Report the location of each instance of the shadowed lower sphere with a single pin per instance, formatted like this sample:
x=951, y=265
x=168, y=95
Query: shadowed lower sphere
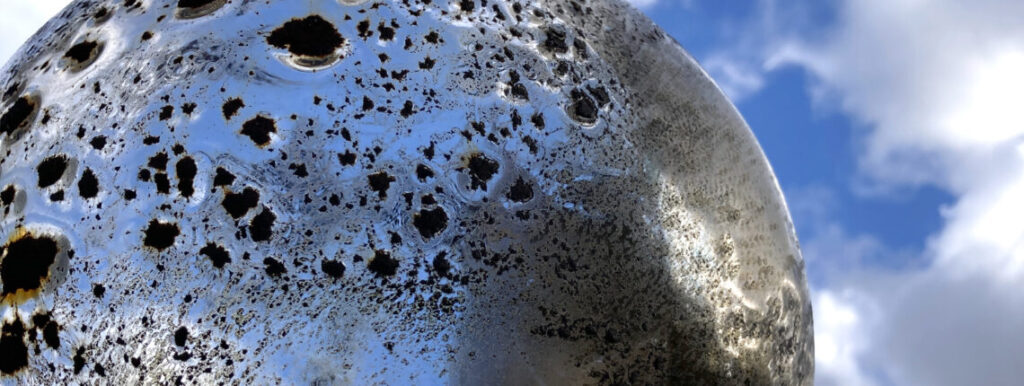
x=350, y=192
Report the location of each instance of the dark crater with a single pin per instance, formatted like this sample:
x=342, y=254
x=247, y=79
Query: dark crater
x=51, y=169
x=382, y=264
x=481, y=169
x=258, y=129
x=16, y=116
x=231, y=107
x=88, y=185
x=520, y=191
x=332, y=268
x=261, y=226
x=310, y=36
x=238, y=204
x=217, y=254
x=26, y=263
x=380, y=182
x=160, y=235
x=430, y=222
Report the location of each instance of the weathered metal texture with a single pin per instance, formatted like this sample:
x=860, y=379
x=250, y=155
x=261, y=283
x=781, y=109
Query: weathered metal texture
x=385, y=192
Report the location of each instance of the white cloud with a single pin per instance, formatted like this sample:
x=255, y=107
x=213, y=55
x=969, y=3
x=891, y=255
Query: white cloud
x=940, y=86
x=19, y=19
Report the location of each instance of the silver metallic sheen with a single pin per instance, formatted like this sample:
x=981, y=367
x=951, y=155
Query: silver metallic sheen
x=465, y=192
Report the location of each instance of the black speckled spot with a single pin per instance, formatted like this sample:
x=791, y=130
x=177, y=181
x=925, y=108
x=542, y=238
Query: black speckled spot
x=238, y=204
x=520, y=191
x=332, y=268
x=430, y=222
x=180, y=336
x=382, y=264
x=88, y=185
x=231, y=107
x=380, y=182
x=26, y=263
x=310, y=36
x=82, y=52
x=273, y=267
x=217, y=254
x=258, y=129
x=16, y=115
x=481, y=169
x=13, y=351
x=261, y=226
x=160, y=235
x=51, y=169
x=186, y=171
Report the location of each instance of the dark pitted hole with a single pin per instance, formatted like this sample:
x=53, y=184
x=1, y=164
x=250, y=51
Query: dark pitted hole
x=160, y=235
x=231, y=107
x=98, y=142
x=186, y=170
x=467, y=5
x=26, y=263
x=583, y=108
x=158, y=161
x=190, y=9
x=238, y=204
x=441, y=264
x=600, y=94
x=98, y=290
x=217, y=254
x=83, y=54
x=347, y=158
x=407, y=109
x=223, y=177
x=51, y=169
x=380, y=182
x=51, y=334
x=166, y=112
x=537, y=120
x=7, y=195
x=262, y=225
x=520, y=191
x=258, y=129
x=79, y=359
x=332, y=268
x=481, y=169
x=385, y=32
x=310, y=36
x=273, y=267
x=17, y=115
x=163, y=184
x=13, y=351
x=382, y=264
x=180, y=336
x=555, y=40
x=88, y=185
x=423, y=172
x=57, y=196
x=430, y=222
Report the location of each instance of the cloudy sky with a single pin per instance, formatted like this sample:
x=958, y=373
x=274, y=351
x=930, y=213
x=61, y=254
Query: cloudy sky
x=896, y=130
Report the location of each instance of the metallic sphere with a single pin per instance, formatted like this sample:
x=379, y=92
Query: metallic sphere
x=393, y=192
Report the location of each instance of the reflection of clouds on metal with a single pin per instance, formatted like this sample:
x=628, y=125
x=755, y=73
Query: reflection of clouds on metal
x=406, y=192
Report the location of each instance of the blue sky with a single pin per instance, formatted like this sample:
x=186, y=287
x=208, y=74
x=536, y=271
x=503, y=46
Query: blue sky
x=895, y=129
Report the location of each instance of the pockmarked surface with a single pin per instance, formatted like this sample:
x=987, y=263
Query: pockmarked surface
x=396, y=192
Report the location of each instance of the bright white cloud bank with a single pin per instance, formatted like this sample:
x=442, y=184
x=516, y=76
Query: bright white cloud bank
x=941, y=85
x=19, y=19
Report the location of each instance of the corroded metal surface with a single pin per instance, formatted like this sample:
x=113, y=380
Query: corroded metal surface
x=392, y=192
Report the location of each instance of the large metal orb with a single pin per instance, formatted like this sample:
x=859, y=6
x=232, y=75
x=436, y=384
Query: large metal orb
x=334, y=192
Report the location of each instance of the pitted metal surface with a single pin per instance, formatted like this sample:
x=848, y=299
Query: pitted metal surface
x=354, y=192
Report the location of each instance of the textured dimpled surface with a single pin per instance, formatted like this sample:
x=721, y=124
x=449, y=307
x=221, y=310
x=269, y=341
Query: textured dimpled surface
x=354, y=192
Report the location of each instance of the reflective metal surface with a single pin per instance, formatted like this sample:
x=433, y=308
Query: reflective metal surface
x=353, y=192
